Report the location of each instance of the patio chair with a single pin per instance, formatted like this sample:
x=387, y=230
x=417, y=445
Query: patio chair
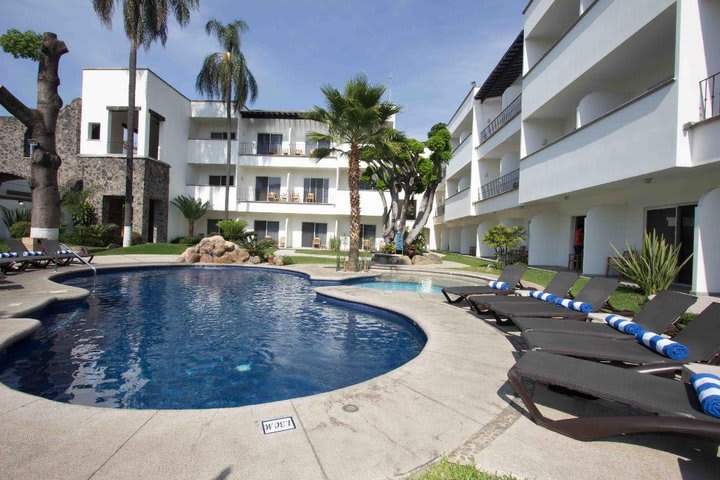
x=657, y=315
x=55, y=246
x=559, y=286
x=510, y=275
x=595, y=292
x=701, y=337
x=38, y=261
x=671, y=406
x=51, y=248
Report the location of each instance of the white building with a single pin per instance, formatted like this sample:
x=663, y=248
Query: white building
x=275, y=185
x=603, y=115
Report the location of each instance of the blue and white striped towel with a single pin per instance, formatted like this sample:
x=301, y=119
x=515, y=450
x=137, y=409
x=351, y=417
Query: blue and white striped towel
x=497, y=285
x=662, y=345
x=548, y=297
x=8, y=255
x=33, y=254
x=623, y=324
x=707, y=387
x=573, y=305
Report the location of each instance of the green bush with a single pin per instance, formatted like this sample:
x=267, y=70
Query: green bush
x=186, y=240
x=20, y=229
x=504, y=240
x=257, y=247
x=288, y=261
x=84, y=215
x=136, y=238
x=233, y=230
x=93, y=235
x=388, y=248
x=11, y=217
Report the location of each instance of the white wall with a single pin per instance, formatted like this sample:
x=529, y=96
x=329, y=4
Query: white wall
x=603, y=226
x=706, y=261
x=549, y=237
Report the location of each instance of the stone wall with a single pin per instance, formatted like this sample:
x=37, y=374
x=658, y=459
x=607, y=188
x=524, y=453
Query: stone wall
x=105, y=175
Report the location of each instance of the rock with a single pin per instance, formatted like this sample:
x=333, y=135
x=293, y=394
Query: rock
x=242, y=255
x=112, y=245
x=434, y=257
x=254, y=260
x=405, y=260
x=214, y=249
x=279, y=262
x=421, y=260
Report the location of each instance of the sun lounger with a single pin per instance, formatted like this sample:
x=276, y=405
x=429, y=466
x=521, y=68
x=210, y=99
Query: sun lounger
x=671, y=406
x=41, y=261
x=701, y=337
x=657, y=315
x=55, y=246
x=510, y=275
x=559, y=286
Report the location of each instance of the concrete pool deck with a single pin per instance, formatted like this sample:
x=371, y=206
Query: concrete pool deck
x=453, y=399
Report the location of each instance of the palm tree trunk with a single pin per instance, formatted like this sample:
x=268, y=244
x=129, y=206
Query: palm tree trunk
x=128, y=213
x=191, y=228
x=229, y=153
x=354, y=184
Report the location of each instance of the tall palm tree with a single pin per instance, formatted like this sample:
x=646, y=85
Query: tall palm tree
x=145, y=22
x=193, y=209
x=357, y=117
x=225, y=75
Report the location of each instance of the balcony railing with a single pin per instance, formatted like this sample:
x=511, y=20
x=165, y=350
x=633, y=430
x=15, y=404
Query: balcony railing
x=283, y=196
x=500, y=185
x=710, y=97
x=505, y=116
x=118, y=148
x=284, y=149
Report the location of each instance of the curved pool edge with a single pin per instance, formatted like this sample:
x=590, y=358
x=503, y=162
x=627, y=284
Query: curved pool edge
x=410, y=415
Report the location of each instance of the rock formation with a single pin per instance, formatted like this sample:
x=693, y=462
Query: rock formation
x=214, y=249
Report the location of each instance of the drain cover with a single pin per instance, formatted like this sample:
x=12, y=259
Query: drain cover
x=350, y=408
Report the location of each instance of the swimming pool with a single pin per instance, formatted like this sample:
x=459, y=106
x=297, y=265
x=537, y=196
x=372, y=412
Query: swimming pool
x=418, y=283
x=204, y=337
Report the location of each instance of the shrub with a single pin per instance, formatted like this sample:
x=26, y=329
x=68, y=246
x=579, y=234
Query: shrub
x=11, y=217
x=257, y=247
x=93, y=235
x=186, y=240
x=136, y=238
x=504, y=240
x=288, y=260
x=655, y=267
x=418, y=244
x=233, y=230
x=76, y=202
x=388, y=248
x=20, y=229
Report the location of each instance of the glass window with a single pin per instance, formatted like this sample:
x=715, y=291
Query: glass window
x=316, y=190
x=219, y=180
x=269, y=143
x=212, y=226
x=221, y=135
x=311, y=145
x=267, y=189
x=265, y=229
x=367, y=236
x=314, y=234
x=366, y=184
x=93, y=131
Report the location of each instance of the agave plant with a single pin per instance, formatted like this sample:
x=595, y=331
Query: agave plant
x=11, y=217
x=655, y=267
x=193, y=209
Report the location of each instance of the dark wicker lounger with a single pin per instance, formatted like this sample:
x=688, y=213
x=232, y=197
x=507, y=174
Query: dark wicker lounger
x=672, y=405
x=559, y=286
x=595, y=292
x=701, y=337
x=657, y=315
x=510, y=274
x=54, y=246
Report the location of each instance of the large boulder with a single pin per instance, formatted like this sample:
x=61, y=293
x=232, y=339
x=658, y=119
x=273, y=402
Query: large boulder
x=405, y=260
x=214, y=249
x=421, y=260
x=279, y=262
x=433, y=257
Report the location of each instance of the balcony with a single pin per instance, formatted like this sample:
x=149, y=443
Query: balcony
x=283, y=196
x=461, y=157
x=500, y=185
x=710, y=97
x=214, y=195
x=510, y=112
x=210, y=152
x=291, y=149
x=458, y=205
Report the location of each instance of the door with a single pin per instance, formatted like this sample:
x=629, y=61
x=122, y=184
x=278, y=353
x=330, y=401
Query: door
x=308, y=233
x=686, y=237
x=261, y=189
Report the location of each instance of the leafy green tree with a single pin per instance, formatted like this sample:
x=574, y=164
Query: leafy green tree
x=41, y=123
x=356, y=117
x=76, y=202
x=226, y=75
x=145, y=21
x=193, y=209
x=234, y=229
x=504, y=240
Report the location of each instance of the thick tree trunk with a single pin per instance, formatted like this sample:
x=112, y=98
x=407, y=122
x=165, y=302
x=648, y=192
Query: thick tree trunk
x=191, y=228
x=423, y=214
x=354, y=184
x=128, y=213
x=41, y=123
x=229, y=153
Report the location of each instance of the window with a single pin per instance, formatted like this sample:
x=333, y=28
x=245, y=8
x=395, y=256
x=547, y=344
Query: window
x=93, y=131
x=311, y=232
x=267, y=188
x=212, y=226
x=269, y=143
x=677, y=226
x=264, y=229
x=219, y=180
x=221, y=135
x=367, y=236
x=316, y=190
x=311, y=145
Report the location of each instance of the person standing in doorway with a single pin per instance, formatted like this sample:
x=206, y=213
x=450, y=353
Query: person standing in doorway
x=578, y=240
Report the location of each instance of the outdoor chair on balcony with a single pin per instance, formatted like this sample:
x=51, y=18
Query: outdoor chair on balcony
x=366, y=245
x=295, y=197
x=672, y=406
x=310, y=197
x=281, y=243
x=283, y=197
x=298, y=152
x=272, y=197
x=510, y=275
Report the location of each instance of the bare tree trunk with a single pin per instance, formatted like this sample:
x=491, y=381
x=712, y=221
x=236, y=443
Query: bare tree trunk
x=423, y=214
x=229, y=153
x=128, y=213
x=191, y=228
x=41, y=123
x=354, y=184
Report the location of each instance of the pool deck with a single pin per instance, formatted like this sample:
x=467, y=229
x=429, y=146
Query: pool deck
x=453, y=399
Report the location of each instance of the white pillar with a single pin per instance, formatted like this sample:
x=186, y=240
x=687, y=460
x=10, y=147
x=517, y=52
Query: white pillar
x=706, y=258
x=550, y=239
x=444, y=239
x=454, y=239
x=603, y=225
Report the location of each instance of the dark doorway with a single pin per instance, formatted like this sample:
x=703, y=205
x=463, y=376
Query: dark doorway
x=113, y=206
x=311, y=231
x=677, y=226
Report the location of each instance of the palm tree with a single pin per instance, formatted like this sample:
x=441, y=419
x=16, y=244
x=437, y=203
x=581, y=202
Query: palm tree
x=357, y=117
x=145, y=22
x=225, y=75
x=193, y=209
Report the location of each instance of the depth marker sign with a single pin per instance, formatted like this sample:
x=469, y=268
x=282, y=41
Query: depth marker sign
x=278, y=425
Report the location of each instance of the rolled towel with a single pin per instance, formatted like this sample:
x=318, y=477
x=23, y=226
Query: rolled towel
x=33, y=254
x=8, y=255
x=548, y=297
x=707, y=387
x=13, y=254
x=64, y=252
x=499, y=285
x=623, y=324
x=573, y=305
x=662, y=345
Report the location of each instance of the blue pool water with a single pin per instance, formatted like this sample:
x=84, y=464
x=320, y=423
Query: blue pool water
x=193, y=337
x=394, y=286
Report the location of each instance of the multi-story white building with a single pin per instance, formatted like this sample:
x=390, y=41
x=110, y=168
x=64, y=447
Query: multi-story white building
x=276, y=186
x=601, y=118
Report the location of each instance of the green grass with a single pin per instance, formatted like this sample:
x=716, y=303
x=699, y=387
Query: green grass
x=297, y=260
x=145, y=249
x=329, y=253
x=446, y=470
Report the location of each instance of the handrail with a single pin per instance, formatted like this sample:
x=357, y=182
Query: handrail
x=493, y=188
x=710, y=97
x=472, y=89
x=508, y=113
x=460, y=144
x=83, y=261
x=457, y=193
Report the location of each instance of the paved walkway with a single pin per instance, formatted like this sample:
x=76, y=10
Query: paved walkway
x=453, y=399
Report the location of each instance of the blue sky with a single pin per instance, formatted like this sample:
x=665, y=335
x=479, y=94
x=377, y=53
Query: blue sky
x=432, y=49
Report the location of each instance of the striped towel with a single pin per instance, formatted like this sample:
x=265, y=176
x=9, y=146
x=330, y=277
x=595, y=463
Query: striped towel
x=662, y=345
x=499, y=285
x=64, y=252
x=548, y=297
x=707, y=387
x=623, y=324
x=573, y=305
x=8, y=255
x=33, y=254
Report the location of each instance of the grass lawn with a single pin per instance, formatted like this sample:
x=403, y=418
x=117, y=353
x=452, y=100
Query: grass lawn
x=144, y=249
x=452, y=471
x=302, y=260
x=330, y=253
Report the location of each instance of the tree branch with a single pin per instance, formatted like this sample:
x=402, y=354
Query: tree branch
x=16, y=108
